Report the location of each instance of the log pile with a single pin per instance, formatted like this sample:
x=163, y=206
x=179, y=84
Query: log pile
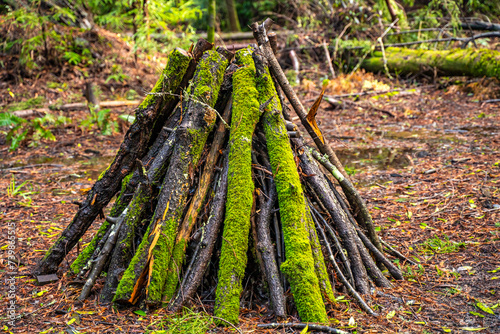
x=214, y=184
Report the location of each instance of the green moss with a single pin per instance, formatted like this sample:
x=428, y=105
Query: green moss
x=203, y=90
x=319, y=261
x=103, y=172
x=172, y=279
x=134, y=213
x=299, y=266
x=233, y=260
x=198, y=141
x=120, y=202
x=58, y=241
x=177, y=64
x=127, y=282
x=161, y=257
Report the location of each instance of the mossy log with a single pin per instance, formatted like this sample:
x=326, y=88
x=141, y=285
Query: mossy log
x=162, y=100
x=462, y=62
x=209, y=232
x=233, y=260
x=153, y=161
x=133, y=147
x=194, y=209
x=303, y=270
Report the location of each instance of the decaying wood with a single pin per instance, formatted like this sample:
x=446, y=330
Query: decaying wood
x=265, y=247
x=260, y=34
x=74, y=106
x=191, y=215
x=100, y=262
x=468, y=62
x=233, y=259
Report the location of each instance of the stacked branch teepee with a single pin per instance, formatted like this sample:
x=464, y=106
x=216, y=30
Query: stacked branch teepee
x=225, y=171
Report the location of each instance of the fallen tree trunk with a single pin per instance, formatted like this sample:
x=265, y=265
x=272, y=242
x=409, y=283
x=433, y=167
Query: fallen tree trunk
x=466, y=62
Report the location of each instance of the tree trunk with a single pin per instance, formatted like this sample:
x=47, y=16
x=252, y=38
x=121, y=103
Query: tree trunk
x=467, y=62
x=211, y=21
x=299, y=266
x=234, y=23
x=233, y=257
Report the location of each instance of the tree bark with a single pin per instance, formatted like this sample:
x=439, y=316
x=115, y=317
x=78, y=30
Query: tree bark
x=211, y=21
x=190, y=217
x=201, y=257
x=299, y=266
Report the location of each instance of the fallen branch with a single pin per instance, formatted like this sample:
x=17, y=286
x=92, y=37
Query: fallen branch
x=73, y=106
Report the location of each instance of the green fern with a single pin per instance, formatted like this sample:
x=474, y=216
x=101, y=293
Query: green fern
x=72, y=58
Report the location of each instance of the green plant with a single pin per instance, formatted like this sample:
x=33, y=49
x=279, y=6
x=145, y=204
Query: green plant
x=441, y=246
x=17, y=190
x=189, y=322
x=30, y=103
x=58, y=86
x=117, y=74
x=14, y=190
x=100, y=119
x=20, y=130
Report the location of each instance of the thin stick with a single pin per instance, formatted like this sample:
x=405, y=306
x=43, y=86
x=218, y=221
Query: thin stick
x=260, y=35
x=338, y=246
x=363, y=217
x=266, y=249
x=227, y=322
x=295, y=65
x=344, y=281
x=97, y=250
x=329, y=60
x=103, y=257
x=389, y=249
x=395, y=272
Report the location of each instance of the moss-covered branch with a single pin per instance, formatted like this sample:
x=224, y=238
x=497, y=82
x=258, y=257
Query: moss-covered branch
x=233, y=260
x=134, y=146
x=299, y=266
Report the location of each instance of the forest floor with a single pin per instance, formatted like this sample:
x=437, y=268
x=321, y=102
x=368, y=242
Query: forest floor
x=430, y=176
